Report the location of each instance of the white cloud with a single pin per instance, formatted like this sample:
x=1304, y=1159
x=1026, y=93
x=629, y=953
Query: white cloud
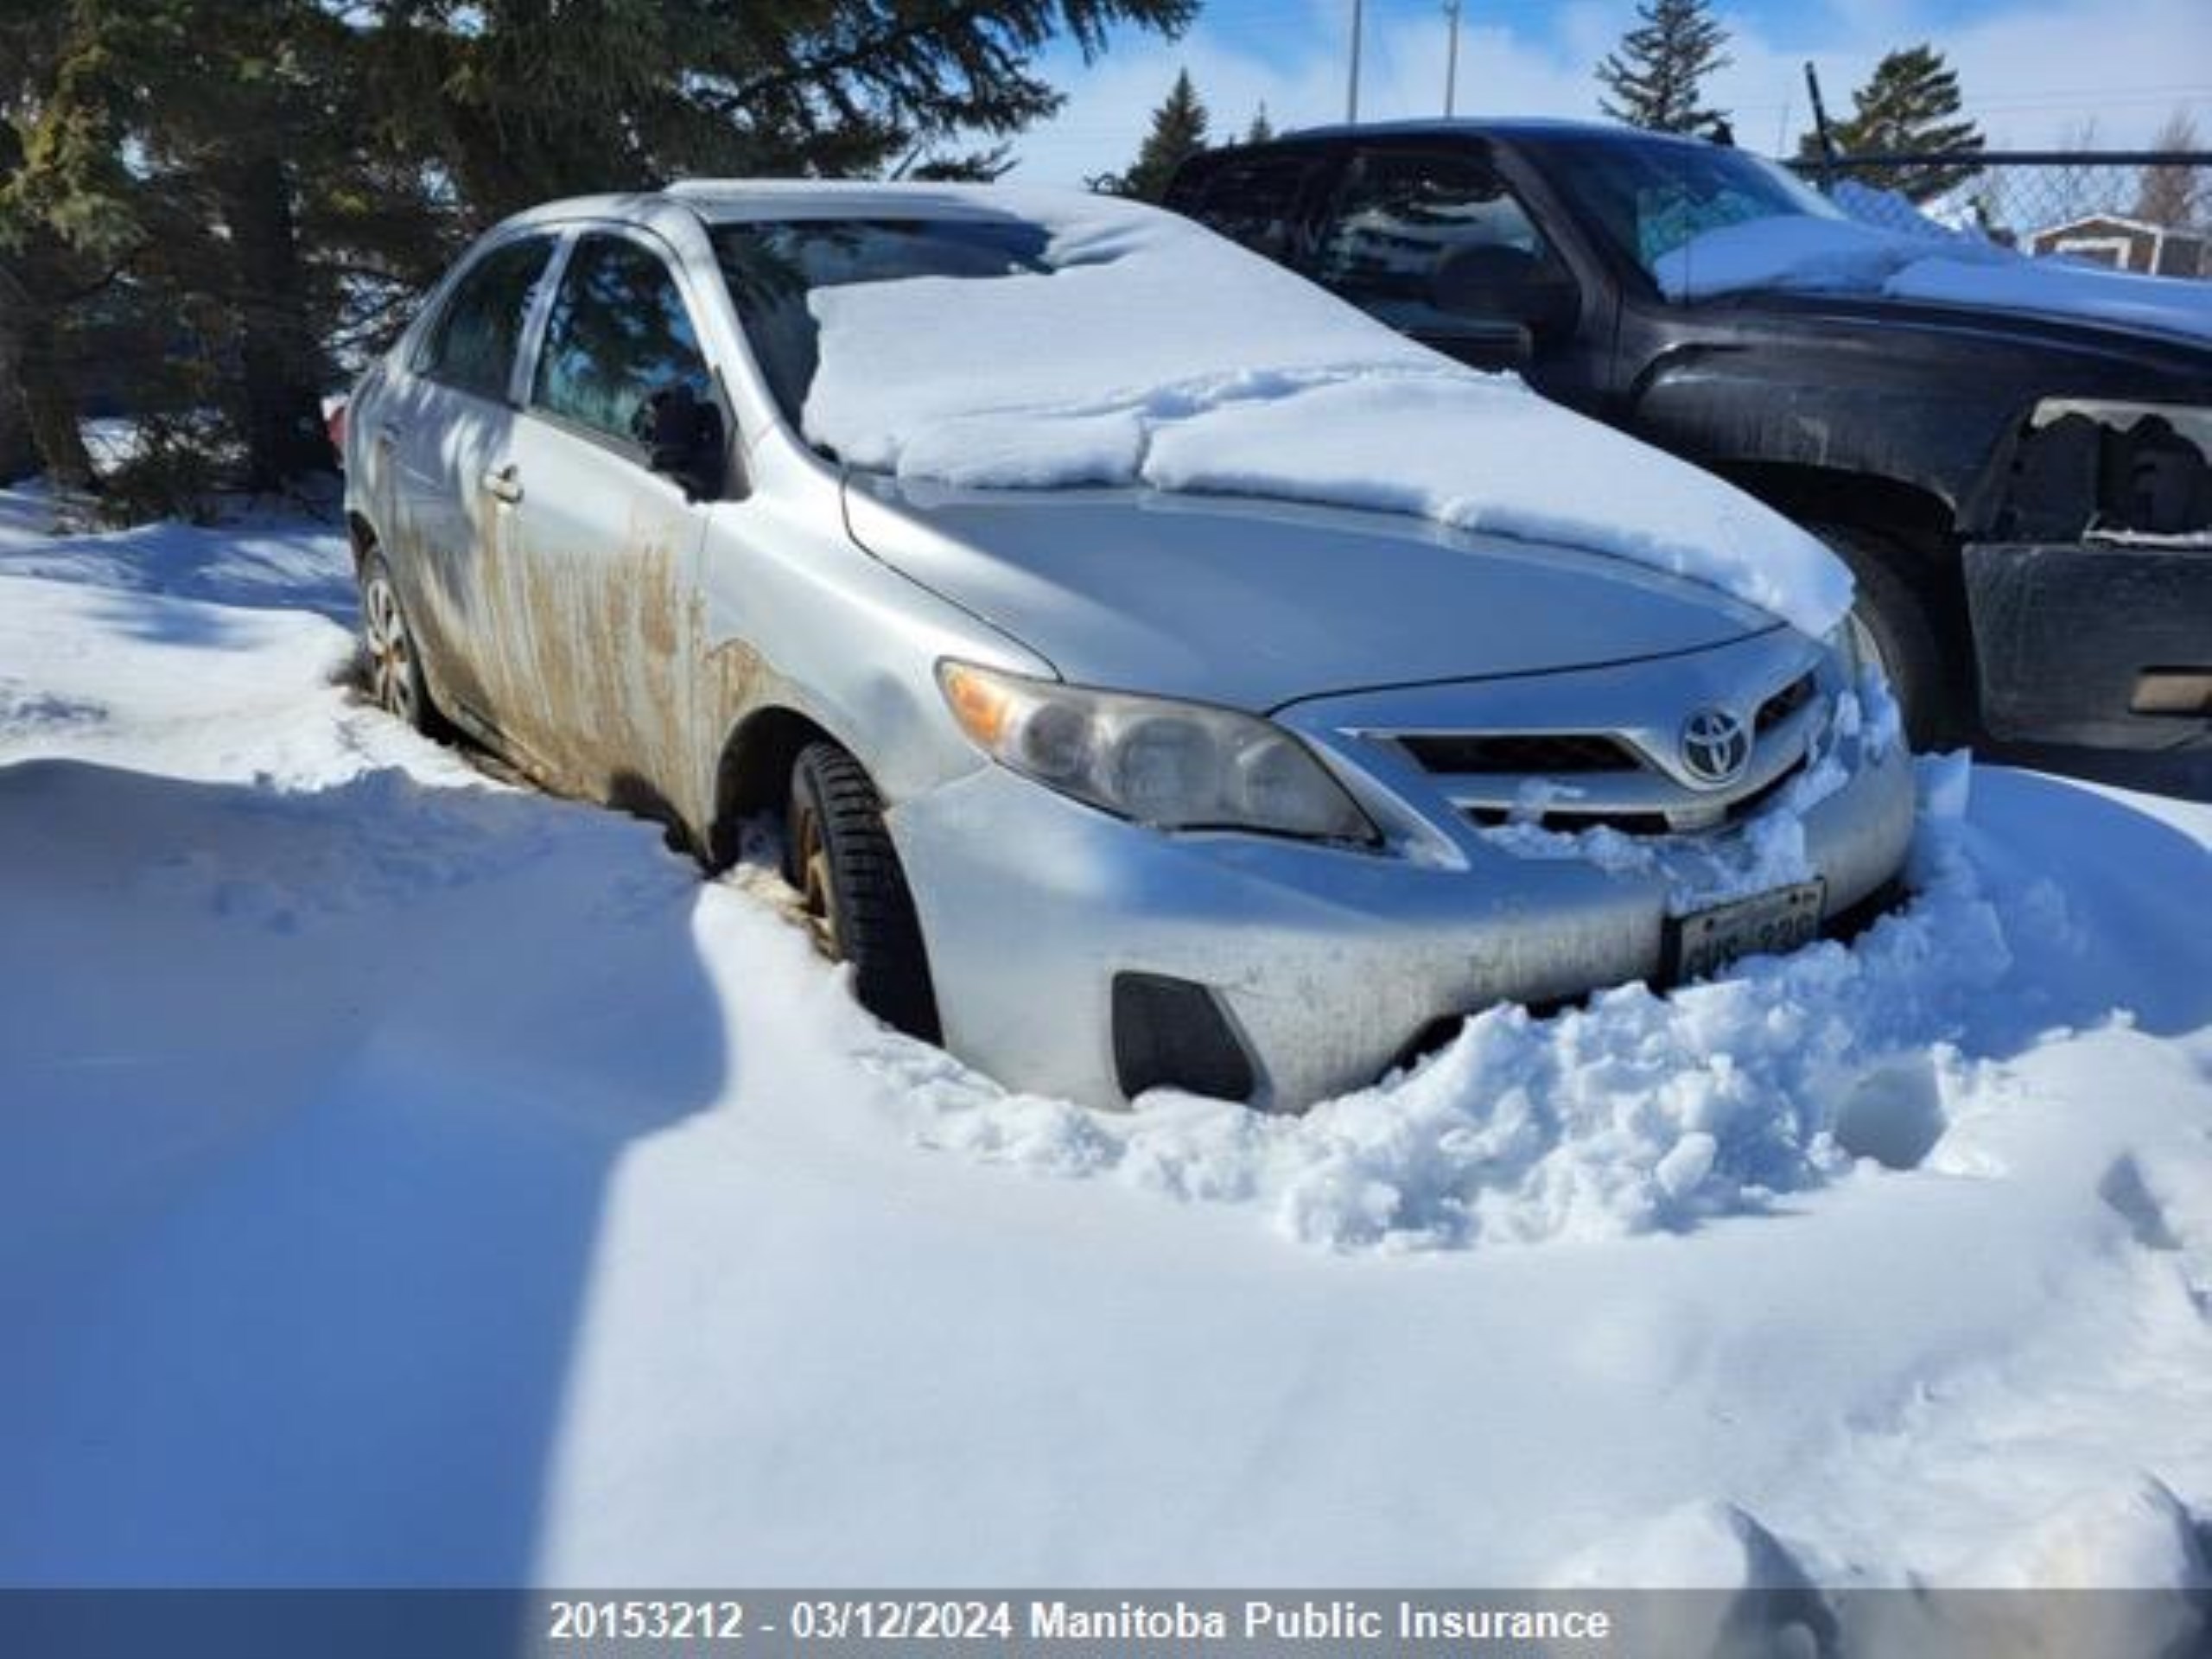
x=2031, y=74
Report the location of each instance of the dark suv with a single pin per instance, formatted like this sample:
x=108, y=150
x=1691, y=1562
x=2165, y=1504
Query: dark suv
x=2025, y=498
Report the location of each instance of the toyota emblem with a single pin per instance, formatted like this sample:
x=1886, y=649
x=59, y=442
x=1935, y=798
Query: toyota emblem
x=1715, y=747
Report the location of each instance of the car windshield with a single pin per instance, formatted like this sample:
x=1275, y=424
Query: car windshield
x=1654, y=197
x=771, y=265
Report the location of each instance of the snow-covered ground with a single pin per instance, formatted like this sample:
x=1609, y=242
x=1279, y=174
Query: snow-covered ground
x=404, y=1178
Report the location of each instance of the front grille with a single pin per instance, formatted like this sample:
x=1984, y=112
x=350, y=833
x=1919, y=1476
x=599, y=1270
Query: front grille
x=1782, y=704
x=1568, y=822
x=1739, y=810
x=1473, y=753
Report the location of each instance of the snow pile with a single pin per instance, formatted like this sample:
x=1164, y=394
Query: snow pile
x=1635, y=1113
x=1837, y=255
x=1155, y=353
x=409, y=1180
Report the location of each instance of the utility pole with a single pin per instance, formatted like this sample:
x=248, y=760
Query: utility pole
x=1820, y=125
x=1351, y=91
x=1451, y=58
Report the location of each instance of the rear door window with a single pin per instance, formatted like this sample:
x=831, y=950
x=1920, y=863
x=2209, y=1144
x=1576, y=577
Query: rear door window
x=618, y=332
x=472, y=346
x=1255, y=202
x=1400, y=221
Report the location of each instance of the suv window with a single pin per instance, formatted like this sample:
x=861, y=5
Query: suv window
x=471, y=347
x=618, y=332
x=1254, y=201
x=1402, y=222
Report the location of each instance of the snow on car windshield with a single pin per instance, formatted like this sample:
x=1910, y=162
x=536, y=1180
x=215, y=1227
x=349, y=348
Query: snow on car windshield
x=1703, y=221
x=1012, y=340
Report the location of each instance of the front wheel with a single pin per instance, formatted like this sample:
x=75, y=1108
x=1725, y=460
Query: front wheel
x=839, y=856
x=1896, y=619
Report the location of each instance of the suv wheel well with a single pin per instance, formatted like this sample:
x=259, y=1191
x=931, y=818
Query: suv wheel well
x=754, y=775
x=1821, y=495
x=1911, y=530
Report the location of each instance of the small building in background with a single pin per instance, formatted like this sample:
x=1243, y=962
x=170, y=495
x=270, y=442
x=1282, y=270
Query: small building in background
x=2128, y=245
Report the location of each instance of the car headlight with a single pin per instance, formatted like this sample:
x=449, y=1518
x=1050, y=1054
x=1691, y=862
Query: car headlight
x=1175, y=766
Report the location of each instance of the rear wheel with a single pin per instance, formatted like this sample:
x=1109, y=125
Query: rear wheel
x=1896, y=619
x=395, y=664
x=839, y=856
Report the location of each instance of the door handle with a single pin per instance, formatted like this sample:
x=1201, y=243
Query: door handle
x=503, y=483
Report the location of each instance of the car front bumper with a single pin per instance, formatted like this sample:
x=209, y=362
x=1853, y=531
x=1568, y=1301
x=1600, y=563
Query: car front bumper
x=2108, y=644
x=1326, y=964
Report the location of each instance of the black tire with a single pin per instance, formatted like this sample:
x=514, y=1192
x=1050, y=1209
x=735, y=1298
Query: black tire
x=396, y=681
x=1928, y=682
x=839, y=856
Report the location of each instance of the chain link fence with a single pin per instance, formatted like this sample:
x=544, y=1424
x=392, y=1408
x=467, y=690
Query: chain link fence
x=2146, y=211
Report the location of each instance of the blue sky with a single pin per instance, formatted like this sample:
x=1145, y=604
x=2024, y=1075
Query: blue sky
x=2034, y=72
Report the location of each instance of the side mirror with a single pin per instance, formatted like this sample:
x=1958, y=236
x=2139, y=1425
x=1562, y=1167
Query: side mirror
x=1495, y=283
x=685, y=440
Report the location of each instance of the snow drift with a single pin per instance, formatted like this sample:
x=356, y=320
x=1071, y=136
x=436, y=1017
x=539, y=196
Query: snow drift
x=410, y=1180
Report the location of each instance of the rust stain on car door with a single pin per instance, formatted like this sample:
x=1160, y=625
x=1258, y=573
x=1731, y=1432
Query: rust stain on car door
x=589, y=643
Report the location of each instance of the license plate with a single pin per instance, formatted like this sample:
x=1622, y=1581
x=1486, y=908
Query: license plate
x=1767, y=923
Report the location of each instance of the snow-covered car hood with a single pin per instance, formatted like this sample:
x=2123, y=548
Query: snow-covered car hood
x=1147, y=353
x=1844, y=257
x=1254, y=603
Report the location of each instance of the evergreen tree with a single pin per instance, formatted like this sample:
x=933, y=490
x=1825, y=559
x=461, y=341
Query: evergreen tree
x=1262, y=129
x=615, y=93
x=1178, y=132
x=1654, y=78
x=256, y=190
x=59, y=242
x=1909, y=106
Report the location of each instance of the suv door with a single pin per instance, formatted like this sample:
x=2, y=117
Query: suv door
x=1436, y=244
x=600, y=592
x=445, y=420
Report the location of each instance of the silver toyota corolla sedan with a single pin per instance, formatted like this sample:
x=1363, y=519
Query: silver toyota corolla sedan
x=1106, y=788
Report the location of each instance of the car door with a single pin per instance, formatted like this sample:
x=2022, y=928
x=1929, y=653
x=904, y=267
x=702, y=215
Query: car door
x=444, y=418
x=1436, y=244
x=602, y=590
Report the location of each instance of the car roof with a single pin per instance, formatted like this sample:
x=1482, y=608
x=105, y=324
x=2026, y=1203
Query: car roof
x=1488, y=126
x=734, y=200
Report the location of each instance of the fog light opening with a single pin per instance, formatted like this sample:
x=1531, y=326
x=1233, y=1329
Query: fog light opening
x=1171, y=1033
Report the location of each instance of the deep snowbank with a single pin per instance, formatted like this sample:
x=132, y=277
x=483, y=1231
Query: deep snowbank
x=1156, y=352
x=407, y=1178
